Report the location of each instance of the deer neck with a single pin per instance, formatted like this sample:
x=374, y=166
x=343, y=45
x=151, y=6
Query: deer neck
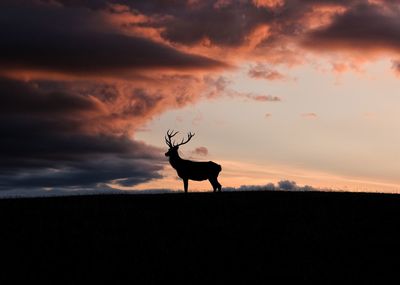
x=175, y=160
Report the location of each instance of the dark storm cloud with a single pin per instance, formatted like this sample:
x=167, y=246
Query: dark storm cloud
x=75, y=40
x=362, y=26
x=189, y=22
x=140, y=103
x=94, y=172
x=45, y=143
x=226, y=26
x=94, y=53
x=27, y=99
x=230, y=23
x=223, y=23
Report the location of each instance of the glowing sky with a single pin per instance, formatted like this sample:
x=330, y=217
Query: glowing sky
x=340, y=131
x=274, y=89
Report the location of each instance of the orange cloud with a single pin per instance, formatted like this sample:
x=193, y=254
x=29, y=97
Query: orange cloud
x=269, y=3
x=339, y=67
x=261, y=71
x=322, y=14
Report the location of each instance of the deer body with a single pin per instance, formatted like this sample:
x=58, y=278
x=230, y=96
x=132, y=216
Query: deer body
x=192, y=170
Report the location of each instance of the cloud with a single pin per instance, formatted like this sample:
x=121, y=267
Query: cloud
x=339, y=67
x=202, y=151
x=48, y=140
x=80, y=42
x=283, y=185
x=220, y=87
x=219, y=4
x=227, y=24
x=263, y=98
x=194, y=34
x=365, y=26
x=396, y=66
x=261, y=71
x=269, y=3
x=26, y=98
x=309, y=115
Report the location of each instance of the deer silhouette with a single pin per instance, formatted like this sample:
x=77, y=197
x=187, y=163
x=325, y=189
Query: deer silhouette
x=191, y=170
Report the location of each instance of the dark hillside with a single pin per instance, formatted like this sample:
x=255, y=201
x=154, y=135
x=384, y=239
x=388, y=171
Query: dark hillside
x=243, y=237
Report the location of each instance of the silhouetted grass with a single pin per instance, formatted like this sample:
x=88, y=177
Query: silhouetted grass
x=244, y=237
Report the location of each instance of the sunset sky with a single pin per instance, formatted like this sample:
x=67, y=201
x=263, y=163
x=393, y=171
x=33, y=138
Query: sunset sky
x=307, y=91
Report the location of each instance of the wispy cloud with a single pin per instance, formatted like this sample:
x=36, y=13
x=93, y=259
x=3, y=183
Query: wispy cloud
x=265, y=98
x=396, y=66
x=201, y=151
x=283, y=185
x=261, y=71
x=309, y=115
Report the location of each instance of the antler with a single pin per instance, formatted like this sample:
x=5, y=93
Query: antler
x=171, y=134
x=190, y=135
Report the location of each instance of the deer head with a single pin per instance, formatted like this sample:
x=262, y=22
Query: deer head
x=173, y=146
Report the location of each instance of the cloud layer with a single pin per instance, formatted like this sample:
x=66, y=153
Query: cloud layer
x=283, y=185
x=48, y=140
x=78, y=41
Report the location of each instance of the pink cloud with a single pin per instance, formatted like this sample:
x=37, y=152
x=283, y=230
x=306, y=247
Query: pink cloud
x=396, y=67
x=269, y=3
x=263, y=98
x=261, y=71
x=202, y=151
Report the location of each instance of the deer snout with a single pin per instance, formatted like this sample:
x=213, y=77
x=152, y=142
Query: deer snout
x=167, y=153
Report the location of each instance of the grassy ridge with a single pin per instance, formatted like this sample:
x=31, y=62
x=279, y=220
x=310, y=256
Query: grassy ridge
x=202, y=237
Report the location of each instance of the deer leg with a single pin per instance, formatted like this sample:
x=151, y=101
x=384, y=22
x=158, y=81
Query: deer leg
x=186, y=184
x=219, y=186
x=214, y=184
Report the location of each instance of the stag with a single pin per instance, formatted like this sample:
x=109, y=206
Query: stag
x=191, y=170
